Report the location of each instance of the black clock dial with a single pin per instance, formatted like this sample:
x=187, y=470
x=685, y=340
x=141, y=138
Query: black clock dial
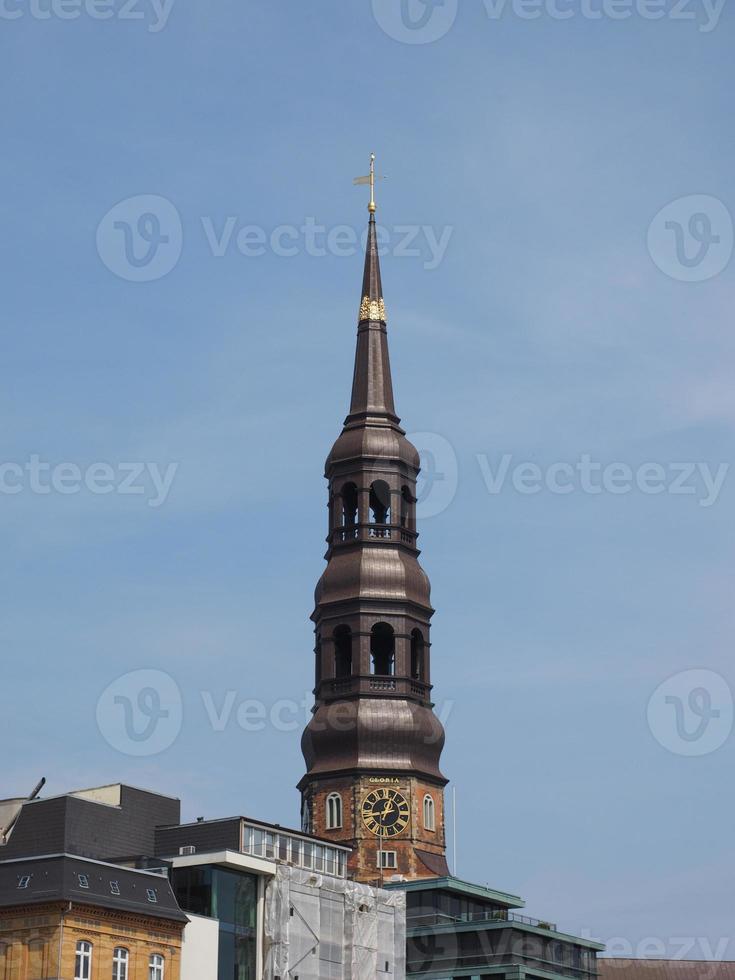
x=385, y=812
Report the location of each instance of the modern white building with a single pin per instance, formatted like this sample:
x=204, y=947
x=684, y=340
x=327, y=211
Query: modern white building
x=266, y=902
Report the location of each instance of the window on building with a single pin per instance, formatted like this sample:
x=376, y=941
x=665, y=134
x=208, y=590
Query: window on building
x=120, y=959
x=349, y=505
x=429, y=813
x=407, y=500
x=83, y=881
x=151, y=895
x=380, y=503
x=36, y=958
x=330, y=861
x=387, y=859
x=24, y=881
x=334, y=811
x=342, y=651
x=417, y=655
x=83, y=961
x=155, y=967
x=318, y=657
x=382, y=649
x=114, y=887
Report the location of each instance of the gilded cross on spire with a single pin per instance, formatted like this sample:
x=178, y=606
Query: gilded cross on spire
x=369, y=179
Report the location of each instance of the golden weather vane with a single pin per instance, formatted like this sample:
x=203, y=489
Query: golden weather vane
x=369, y=179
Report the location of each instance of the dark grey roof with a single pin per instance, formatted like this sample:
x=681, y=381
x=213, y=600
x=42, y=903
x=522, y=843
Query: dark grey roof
x=63, y=877
x=78, y=824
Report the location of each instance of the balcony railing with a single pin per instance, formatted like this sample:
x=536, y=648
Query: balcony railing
x=372, y=683
x=373, y=532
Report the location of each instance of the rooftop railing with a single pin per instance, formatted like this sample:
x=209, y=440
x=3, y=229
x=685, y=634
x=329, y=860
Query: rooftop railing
x=487, y=915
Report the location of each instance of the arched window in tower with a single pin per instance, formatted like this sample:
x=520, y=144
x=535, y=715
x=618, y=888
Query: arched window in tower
x=343, y=651
x=382, y=649
x=429, y=813
x=407, y=500
x=417, y=655
x=380, y=508
x=334, y=811
x=349, y=505
x=318, y=658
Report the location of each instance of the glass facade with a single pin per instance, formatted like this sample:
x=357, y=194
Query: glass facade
x=232, y=898
x=299, y=851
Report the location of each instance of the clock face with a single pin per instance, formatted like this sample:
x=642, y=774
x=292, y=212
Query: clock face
x=385, y=812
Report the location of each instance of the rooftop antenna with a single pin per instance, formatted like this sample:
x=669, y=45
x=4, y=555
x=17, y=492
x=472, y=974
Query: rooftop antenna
x=37, y=789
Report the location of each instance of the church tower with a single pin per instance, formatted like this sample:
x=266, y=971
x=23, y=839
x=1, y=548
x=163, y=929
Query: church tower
x=373, y=744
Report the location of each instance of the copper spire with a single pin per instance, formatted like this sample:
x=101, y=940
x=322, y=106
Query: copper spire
x=372, y=387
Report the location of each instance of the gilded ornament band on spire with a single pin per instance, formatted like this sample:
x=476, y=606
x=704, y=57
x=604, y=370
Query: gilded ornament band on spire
x=372, y=309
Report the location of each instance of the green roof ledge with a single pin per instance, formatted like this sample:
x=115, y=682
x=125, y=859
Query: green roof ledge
x=459, y=887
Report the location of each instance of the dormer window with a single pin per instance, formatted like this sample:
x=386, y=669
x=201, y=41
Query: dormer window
x=24, y=881
x=114, y=888
x=83, y=881
x=151, y=894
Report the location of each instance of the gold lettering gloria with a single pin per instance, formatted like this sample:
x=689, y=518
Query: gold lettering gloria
x=372, y=309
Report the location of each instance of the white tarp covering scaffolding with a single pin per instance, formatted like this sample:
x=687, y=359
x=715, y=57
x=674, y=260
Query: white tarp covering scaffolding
x=322, y=928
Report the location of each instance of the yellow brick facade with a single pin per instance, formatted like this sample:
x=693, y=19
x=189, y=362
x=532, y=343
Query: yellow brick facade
x=31, y=939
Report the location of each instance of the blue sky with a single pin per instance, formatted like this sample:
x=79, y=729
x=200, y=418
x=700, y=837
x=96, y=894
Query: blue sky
x=554, y=327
